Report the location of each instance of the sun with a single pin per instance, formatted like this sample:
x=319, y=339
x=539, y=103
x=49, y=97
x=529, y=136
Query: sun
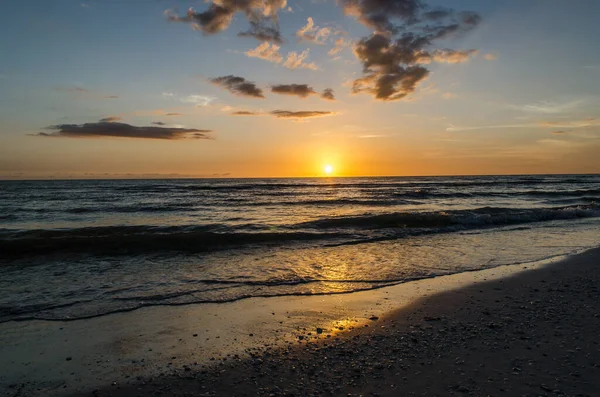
x=328, y=169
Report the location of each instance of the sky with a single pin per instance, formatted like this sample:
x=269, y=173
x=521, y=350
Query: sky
x=276, y=88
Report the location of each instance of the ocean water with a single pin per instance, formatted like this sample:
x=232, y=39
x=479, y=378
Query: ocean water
x=79, y=249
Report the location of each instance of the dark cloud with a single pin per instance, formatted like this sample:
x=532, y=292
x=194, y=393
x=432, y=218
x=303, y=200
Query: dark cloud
x=328, y=94
x=262, y=15
x=122, y=130
x=173, y=114
x=110, y=119
x=404, y=32
x=305, y=114
x=111, y=97
x=158, y=123
x=238, y=86
x=263, y=32
x=301, y=90
x=244, y=113
x=561, y=132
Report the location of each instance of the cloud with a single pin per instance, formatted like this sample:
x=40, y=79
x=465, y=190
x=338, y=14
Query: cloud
x=198, y=100
x=270, y=53
x=561, y=132
x=238, y=86
x=110, y=119
x=572, y=124
x=452, y=56
x=550, y=107
x=490, y=57
x=72, y=89
x=244, y=113
x=328, y=94
x=122, y=130
x=449, y=95
x=301, y=90
x=313, y=33
x=266, y=52
x=339, y=45
x=262, y=15
x=262, y=32
x=156, y=123
x=173, y=114
x=373, y=136
x=296, y=60
x=81, y=92
x=585, y=123
x=287, y=114
x=403, y=33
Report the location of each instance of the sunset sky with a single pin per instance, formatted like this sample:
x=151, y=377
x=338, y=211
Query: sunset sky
x=269, y=88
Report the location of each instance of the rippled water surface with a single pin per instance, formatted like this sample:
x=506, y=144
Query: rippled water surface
x=73, y=249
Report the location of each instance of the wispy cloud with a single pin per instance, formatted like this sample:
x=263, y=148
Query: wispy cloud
x=573, y=124
x=297, y=60
x=72, y=89
x=452, y=56
x=198, y=100
x=105, y=128
x=449, y=95
x=195, y=99
x=270, y=53
x=339, y=44
x=373, y=136
x=245, y=113
x=110, y=119
x=490, y=57
x=312, y=33
x=305, y=114
x=550, y=107
x=266, y=51
x=79, y=91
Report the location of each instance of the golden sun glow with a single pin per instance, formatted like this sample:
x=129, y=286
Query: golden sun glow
x=328, y=169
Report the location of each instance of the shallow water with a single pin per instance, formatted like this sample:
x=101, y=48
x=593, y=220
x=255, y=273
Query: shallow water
x=74, y=249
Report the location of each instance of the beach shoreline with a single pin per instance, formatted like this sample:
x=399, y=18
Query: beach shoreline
x=210, y=348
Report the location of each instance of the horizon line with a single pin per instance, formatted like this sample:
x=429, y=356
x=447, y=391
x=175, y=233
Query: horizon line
x=172, y=177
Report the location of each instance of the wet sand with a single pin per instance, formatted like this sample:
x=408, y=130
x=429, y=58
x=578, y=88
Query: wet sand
x=534, y=333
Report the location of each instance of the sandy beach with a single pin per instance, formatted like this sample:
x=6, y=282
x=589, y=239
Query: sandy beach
x=516, y=330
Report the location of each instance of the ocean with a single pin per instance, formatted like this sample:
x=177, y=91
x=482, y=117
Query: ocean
x=84, y=248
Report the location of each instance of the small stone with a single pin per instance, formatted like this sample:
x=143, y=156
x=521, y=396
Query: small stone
x=69, y=358
x=373, y=318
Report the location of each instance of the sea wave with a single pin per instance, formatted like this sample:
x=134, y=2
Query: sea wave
x=129, y=240
x=485, y=216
